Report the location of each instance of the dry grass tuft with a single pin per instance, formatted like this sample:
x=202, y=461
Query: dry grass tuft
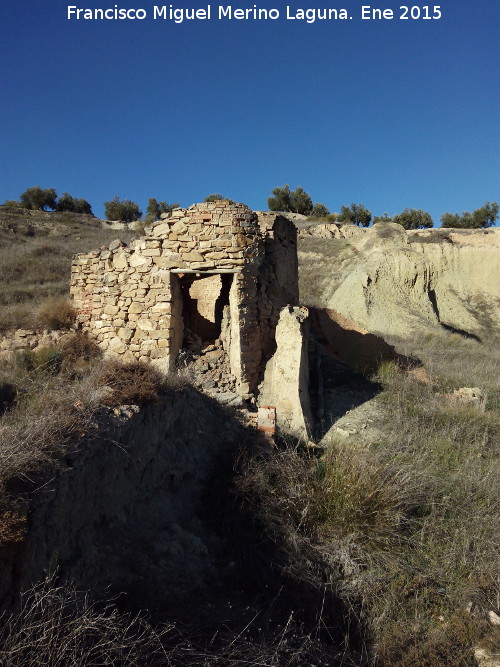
x=50, y=396
x=44, y=359
x=56, y=313
x=59, y=626
x=50, y=416
x=453, y=361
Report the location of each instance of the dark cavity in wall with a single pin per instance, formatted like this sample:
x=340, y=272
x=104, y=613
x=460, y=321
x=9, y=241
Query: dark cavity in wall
x=203, y=301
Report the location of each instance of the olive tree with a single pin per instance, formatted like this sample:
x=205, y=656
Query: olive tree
x=356, y=214
x=293, y=201
x=69, y=203
x=156, y=208
x=482, y=217
x=319, y=210
x=124, y=211
x=382, y=218
x=36, y=198
x=412, y=218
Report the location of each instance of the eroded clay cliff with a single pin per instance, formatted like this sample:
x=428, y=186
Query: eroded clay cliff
x=395, y=282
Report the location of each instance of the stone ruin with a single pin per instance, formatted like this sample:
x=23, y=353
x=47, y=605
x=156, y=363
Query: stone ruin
x=211, y=284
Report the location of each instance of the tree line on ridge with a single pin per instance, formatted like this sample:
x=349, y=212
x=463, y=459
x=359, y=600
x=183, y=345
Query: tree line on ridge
x=282, y=199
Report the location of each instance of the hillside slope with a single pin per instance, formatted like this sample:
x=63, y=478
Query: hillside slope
x=36, y=249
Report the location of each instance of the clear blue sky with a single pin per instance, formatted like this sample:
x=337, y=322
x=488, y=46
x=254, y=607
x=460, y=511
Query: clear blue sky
x=392, y=114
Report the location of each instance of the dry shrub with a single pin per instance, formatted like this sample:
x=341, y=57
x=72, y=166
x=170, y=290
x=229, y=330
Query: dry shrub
x=58, y=626
x=128, y=383
x=80, y=353
x=50, y=416
x=56, y=313
x=80, y=346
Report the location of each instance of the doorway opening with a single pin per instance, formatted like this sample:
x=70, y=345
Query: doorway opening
x=203, y=302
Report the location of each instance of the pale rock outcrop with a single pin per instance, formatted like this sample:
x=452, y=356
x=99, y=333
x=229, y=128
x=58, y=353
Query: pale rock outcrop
x=33, y=339
x=472, y=396
x=331, y=230
x=466, y=272
x=395, y=282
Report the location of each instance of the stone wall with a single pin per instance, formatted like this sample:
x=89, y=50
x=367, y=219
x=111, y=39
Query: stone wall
x=33, y=339
x=133, y=299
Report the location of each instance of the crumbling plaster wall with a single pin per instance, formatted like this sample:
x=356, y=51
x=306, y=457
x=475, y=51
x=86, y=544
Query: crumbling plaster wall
x=128, y=297
x=286, y=380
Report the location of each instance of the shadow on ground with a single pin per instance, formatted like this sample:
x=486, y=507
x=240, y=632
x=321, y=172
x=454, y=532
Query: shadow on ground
x=343, y=358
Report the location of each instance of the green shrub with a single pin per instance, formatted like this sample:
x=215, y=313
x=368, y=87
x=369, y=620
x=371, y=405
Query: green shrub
x=124, y=211
x=12, y=205
x=356, y=214
x=45, y=359
x=38, y=199
x=73, y=205
x=216, y=196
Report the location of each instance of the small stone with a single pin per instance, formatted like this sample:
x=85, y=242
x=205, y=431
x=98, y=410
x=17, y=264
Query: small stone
x=136, y=307
x=117, y=345
x=120, y=261
x=114, y=245
x=494, y=618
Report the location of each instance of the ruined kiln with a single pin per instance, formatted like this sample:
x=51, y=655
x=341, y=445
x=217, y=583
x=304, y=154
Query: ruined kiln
x=218, y=269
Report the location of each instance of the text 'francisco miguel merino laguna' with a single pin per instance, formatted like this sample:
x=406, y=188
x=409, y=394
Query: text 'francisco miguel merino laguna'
x=219, y=12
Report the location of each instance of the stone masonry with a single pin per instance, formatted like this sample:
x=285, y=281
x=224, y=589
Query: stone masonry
x=216, y=270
